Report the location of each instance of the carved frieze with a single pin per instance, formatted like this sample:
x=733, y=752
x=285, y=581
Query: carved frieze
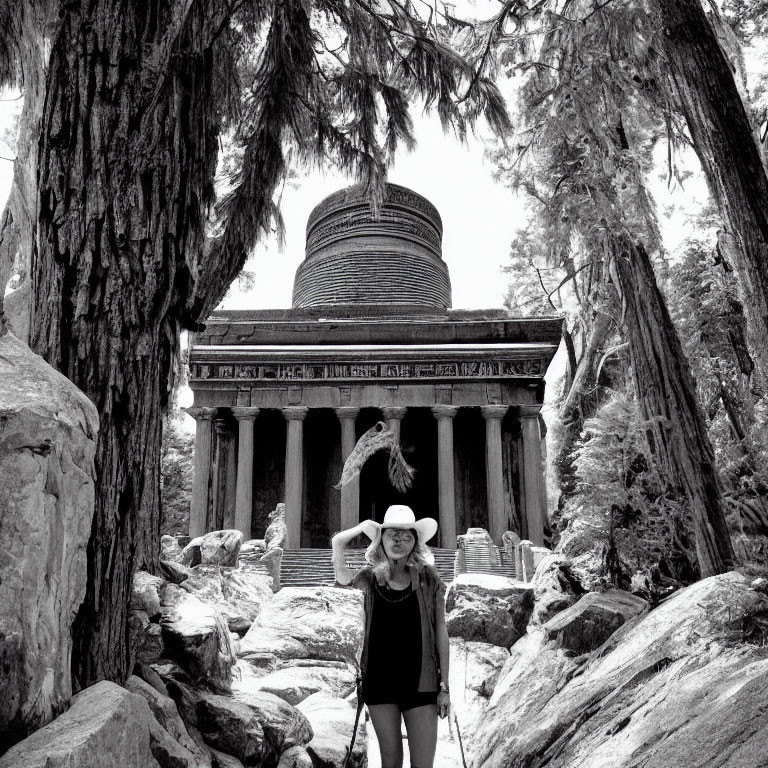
x=463, y=369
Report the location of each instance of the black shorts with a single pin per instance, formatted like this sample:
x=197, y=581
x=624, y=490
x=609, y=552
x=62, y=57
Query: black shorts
x=405, y=701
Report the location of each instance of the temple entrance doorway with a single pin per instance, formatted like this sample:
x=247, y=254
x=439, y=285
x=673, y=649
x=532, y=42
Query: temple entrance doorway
x=418, y=440
x=322, y=469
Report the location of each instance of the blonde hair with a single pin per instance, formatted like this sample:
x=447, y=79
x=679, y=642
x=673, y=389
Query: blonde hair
x=421, y=556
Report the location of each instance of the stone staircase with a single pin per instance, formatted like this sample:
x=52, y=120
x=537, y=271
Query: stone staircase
x=313, y=568
x=478, y=559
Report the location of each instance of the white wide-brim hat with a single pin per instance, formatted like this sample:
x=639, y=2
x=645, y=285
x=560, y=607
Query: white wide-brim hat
x=402, y=517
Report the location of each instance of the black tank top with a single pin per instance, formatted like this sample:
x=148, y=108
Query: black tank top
x=394, y=645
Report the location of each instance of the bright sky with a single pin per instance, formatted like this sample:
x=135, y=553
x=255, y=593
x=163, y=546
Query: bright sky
x=479, y=219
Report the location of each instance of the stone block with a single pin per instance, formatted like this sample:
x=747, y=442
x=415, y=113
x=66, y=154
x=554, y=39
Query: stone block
x=489, y=611
x=307, y=622
x=587, y=624
x=214, y=548
x=106, y=726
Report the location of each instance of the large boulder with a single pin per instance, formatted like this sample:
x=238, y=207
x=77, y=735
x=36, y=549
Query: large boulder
x=488, y=609
x=284, y=725
x=214, y=548
x=685, y=684
x=196, y=636
x=145, y=594
x=298, y=679
x=237, y=594
x=332, y=721
x=256, y=728
x=585, y=626
x=47, y=444
x=169, y=753
x=232, y=727
x=306, y=623
x=106, y=726
x=166, y=713
x=555, y=588
x=295, y=757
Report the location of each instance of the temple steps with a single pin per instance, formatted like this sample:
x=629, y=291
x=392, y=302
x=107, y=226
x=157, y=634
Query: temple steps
x=313, y=567
x=477, y=559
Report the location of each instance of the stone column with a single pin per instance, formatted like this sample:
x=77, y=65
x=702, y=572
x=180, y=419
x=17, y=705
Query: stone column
x=198, y=508
x=230, y=493
x=294, y=474
x=393, y=415
x=350, y=493
x=244, y=495
x=532, y=473
x=217, y=513
x=446, y=487
x=494, y=470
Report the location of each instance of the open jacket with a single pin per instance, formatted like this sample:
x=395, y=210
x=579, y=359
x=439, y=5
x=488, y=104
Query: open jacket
x=429, y=589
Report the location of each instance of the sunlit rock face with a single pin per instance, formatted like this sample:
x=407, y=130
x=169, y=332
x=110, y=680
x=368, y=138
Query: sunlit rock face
x=332, y=720
x=196, y=635
x=585, y=626
x=302, y=623
x=489, y=609
x=356, y=255
x=214, y=548
x=47, y=444
x=106, y=726
x=685, y=684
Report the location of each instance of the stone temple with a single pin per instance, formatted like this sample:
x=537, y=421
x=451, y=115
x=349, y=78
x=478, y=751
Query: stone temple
x=281, y=396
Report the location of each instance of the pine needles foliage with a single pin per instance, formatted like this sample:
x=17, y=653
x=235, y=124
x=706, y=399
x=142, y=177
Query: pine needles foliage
x=640, y=524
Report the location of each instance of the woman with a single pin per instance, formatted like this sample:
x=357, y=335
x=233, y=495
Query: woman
x=404, y=664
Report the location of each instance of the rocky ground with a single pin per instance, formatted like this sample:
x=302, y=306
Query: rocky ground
x=230, y=674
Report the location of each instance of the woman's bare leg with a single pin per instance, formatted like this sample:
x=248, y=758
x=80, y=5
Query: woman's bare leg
x=421, y=724
x=386, y=723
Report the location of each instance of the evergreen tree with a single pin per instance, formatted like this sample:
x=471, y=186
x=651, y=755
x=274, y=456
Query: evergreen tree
x=588, y=126
x=133, y=245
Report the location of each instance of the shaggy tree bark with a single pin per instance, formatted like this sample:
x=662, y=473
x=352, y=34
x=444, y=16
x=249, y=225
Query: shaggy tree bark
x=135, y=95
x=703, y=85
x=123, y=182
x=33, y=23
x=667, y=397
x=581, y=401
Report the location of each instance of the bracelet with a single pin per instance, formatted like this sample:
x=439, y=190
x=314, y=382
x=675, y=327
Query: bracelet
x=444, y=688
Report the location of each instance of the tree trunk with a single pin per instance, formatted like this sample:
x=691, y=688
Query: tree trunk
x=33, y=24
x=581, y=399
x=667, y=397
x=124, y=174
x=580, y=402
x=703, y=85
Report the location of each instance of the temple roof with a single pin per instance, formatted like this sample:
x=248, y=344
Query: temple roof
x=358, y=256
x=376, y=325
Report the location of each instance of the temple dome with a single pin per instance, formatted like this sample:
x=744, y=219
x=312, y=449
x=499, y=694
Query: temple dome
x=353, y=257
